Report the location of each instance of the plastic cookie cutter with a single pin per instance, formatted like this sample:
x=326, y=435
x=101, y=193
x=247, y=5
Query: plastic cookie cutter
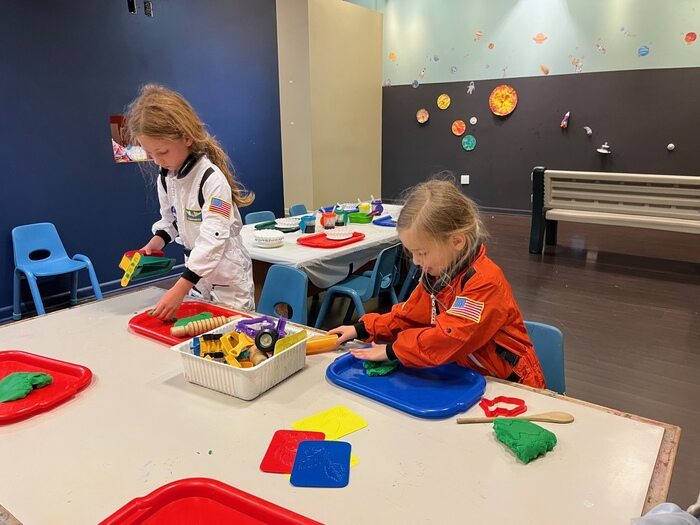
x=518, y=406
x=138, y=266
x=252, y=326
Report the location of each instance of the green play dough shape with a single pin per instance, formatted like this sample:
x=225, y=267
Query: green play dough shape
x=198, y=317
x=20, y=384
x=527, y=440
x=379, y=368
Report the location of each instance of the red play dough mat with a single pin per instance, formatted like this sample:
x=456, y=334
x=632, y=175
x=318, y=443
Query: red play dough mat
x=200, y=501
x=159, y=330
x=320, y=240
x=68, y=379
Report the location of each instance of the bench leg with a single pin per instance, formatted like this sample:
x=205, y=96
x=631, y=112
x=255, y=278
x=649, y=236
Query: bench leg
x=551, y=232
x=537, y=233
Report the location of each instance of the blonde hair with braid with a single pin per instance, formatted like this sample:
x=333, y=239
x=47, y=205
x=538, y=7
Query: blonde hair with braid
x=161, y=113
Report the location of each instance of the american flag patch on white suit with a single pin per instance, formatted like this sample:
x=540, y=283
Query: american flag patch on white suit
x=467, y=308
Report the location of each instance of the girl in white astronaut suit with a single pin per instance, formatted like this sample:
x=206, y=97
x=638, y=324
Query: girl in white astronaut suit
x=199, y=200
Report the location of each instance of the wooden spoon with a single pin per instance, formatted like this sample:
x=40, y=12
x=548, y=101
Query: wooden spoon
x=547, y=417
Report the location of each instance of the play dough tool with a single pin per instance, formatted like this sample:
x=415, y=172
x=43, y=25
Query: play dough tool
x=199, y=327
x=286, y=342
x=138, y=266
x=321, y=343
x=545, y=417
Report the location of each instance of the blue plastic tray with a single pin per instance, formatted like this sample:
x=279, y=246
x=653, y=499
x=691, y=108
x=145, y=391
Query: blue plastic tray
x=387, y=220
x=430, y=393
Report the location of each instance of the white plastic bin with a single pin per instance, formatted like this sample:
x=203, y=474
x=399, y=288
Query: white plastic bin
x=244, y=383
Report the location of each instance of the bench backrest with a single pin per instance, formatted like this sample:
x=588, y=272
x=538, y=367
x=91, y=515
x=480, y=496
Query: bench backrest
x=630, y=193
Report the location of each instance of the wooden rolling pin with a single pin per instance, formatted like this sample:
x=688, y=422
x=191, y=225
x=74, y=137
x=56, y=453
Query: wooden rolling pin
x=547, y=417
x=256, y=356
x=199, y=327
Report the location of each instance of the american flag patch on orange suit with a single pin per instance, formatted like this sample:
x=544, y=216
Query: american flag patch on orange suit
x=467, y=308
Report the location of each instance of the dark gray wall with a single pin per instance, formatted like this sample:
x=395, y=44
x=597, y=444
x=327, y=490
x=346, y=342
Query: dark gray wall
x=637, y=112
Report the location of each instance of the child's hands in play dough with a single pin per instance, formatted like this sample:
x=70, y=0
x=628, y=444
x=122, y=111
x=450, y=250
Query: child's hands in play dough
x=156, y=243
x=344, y=333
x=373, y=353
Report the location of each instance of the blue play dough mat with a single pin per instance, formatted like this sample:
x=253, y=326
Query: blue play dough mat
x=430, y=393
x=321, y=464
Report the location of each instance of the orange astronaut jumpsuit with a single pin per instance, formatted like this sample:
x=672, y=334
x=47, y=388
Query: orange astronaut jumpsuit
x=473, y=321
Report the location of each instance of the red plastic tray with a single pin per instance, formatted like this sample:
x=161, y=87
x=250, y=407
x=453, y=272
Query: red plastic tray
x=319, y=240
x=159, y=330
x=199, y=501
x=68, y=379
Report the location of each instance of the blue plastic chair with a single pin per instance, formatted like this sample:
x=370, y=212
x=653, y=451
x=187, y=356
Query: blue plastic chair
x=409, y=282
x=39, y=252
x=287, y=286
x=549, y=347
x=297, y=209
x=259, y=216
x=361, y=288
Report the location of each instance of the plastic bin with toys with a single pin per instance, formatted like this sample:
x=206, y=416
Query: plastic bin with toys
x=244, y=357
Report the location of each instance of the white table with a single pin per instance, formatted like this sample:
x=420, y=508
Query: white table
x=140, y=425
x=325, y=267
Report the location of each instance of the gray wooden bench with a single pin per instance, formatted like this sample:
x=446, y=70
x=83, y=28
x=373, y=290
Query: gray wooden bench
x=659, y=202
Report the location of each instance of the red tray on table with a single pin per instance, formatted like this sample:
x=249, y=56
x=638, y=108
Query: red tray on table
x=200, y=501
x=68, y=379
x=319, y=240
x=146, y=324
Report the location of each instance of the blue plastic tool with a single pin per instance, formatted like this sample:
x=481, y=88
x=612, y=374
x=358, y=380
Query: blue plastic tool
x=387, y=220
x=430, y=393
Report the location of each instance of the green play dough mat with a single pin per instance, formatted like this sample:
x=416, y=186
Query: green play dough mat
x=199, y=317
x=379, y=368
x=20, y=384
x=527, y=440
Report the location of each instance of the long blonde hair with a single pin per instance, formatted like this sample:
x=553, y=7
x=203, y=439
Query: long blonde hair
x=438, y=209
x=165, y=114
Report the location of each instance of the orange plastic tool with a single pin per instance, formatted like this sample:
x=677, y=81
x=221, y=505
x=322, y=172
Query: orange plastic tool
x=320, y=343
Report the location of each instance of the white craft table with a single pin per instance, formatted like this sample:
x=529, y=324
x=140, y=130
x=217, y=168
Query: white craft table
x=325, y=267
x=140, y=425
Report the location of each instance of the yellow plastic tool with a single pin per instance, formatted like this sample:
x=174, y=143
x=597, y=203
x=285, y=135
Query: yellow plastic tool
x=287, y=342
x=234, y=343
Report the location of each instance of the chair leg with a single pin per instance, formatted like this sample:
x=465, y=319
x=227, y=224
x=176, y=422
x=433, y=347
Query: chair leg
x=348, y=313
x=358, y=305
x=327, y=299
x=95, y=282
x=73, y=289
x=392, y=294
x=36, y=296
x=16, y=297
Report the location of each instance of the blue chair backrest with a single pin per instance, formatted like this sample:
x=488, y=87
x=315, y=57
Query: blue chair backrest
x=259, y=216
x=409, y=282
x=37, y=242
x=297, y=209
x=383, y=272
x=286, y=285
x=549, y=347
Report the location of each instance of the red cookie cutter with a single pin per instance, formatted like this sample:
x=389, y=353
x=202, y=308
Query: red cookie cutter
x=518, y=406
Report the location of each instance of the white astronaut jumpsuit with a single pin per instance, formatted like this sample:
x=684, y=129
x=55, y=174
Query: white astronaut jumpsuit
x=216, y=261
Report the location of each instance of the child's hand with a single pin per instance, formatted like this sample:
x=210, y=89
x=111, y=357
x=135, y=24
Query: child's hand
x=373, y=353
x=156, y=243
x=344, y=333
x=171, y=301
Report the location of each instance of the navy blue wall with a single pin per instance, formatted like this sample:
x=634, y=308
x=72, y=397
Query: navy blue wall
x=68, y=65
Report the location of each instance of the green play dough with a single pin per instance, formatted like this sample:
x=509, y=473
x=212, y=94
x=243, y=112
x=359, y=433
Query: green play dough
x=18, y=385
x=198, y=317
x=527, y=440
x=379, y=368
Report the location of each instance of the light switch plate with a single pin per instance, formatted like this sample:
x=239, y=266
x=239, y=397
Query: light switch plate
x=464, y=179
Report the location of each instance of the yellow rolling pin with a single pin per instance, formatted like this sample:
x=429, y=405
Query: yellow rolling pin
x=321, y=343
